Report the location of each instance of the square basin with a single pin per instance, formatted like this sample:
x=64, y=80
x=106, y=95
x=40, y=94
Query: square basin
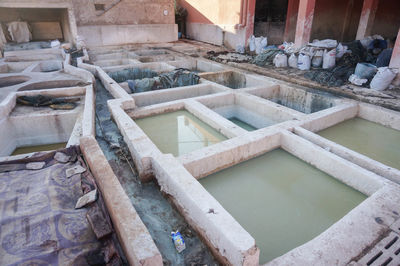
x=245, y=118
x=232, y=79
x=297, y=99
x=179, y=132
x=368, y=138
x=280, y=200
x=160, y=58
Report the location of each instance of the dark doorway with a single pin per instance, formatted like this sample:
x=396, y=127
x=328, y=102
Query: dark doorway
x=269, y=19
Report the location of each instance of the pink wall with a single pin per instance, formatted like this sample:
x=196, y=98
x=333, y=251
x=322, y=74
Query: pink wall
x=291, y=20
x=212, y=11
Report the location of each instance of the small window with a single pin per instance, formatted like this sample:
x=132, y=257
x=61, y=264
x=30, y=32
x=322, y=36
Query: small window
x=99, y=7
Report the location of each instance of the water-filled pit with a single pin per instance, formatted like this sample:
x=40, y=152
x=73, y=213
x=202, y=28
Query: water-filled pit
x=246, y=118
x=233, y=79
x=179, y=132
x=368, y=138
x=197, y=66
x=297, y=99
x=280, y=200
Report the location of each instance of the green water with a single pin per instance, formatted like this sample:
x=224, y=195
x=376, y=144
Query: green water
x=242, y=124
x=371, y=139
x=37, y=148
x=280, y=200
x=179, y=132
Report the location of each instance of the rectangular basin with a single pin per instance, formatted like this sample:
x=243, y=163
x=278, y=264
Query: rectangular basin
x=368, y=138
x=161, y=96
x=179, y=132
x=233, y=79
x=160, y=58
x=198, y=66
x=246, y=111
x=280, y=200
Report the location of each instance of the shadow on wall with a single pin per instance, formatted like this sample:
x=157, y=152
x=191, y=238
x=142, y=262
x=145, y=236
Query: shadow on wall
x=201, y=26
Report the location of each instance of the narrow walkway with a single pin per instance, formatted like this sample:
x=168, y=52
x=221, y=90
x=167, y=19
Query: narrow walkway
x=154, y=210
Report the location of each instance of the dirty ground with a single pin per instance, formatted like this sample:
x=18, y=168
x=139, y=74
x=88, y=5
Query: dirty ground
x=155, y=211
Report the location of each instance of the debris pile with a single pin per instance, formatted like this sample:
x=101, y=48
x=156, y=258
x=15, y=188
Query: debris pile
x=324, y=61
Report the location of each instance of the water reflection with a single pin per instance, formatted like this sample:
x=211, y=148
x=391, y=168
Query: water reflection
x=179, y=132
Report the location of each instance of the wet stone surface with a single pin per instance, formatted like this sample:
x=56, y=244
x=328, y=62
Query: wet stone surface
x=155, y=211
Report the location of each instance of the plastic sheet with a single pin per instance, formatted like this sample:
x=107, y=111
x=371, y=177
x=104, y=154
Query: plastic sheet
x=132, y=74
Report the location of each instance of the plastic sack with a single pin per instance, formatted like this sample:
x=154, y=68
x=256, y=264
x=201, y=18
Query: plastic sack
x=264, y=43
x=260, y=44
x=292, y=61
x=382, y=79
x=310, y=51
x=303, y=62
x=341, y=50
x=327, y=43
x=317, y=59
x=252, y=44
x=55, y=44
x=240, y=49
x=329, y=60
x=288, y=47
x=280, y=60
x=354, y=79
x=19, y=31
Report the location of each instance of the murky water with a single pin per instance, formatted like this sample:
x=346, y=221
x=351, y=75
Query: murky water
x=37, y=148
x=371, y=139
x=179, y=132
x=242, y=124
x=280, y=200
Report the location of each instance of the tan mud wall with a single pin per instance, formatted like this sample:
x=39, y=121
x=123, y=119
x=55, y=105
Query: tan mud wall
x=125, y=12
